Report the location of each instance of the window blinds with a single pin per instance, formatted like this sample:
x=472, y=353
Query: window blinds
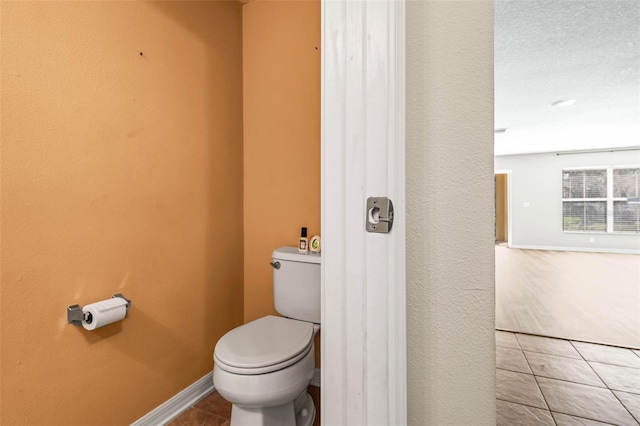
x=584, y=204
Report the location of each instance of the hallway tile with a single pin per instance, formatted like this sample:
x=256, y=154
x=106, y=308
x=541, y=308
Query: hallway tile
x=509, y=413
x=506, y=339
x=518, y=387
x=607, y=354
x=618, y=378
x=584, y=401
x=557, y=367
x=547, y=345
x=631, y=401
x=565, y=420
x=511, y=359
x=637, y=352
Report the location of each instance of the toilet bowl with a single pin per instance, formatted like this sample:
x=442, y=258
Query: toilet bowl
x=265, y=366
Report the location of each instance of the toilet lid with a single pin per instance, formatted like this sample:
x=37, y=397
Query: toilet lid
x=264, y=342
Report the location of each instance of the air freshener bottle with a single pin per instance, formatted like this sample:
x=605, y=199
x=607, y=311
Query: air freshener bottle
x=314, y=244
x=303, y=245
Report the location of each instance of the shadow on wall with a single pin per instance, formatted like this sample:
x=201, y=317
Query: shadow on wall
x=224, y=154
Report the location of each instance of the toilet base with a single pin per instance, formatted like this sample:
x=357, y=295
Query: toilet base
x=300, y=412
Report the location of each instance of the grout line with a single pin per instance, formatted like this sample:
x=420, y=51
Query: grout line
x=626, y=391
x=509, y=347
x=622, y=403
x=571, y=381
x=605, y=362
x=597, y=387
x=565, y=380
x=516, y=337
x=546, y=353
x=613, y=365
x=605, y=383
x=581, y=358
x=513, y=371
x=545, y=398
x=581, y=417
x=601, y=379
x=539, y=388
x=526, y=405
x=568, y=340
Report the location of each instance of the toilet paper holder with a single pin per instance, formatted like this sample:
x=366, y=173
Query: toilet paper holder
x=75, y=314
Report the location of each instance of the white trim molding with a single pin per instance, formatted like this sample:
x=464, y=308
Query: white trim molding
x=581, y=249
x=178, y=404
x=363, y=155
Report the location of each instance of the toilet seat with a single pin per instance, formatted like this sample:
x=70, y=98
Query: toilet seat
x=265, y=345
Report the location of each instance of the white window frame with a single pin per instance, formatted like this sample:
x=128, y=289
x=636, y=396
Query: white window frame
x=605, y=199
x=609, y=199
x=613, y=199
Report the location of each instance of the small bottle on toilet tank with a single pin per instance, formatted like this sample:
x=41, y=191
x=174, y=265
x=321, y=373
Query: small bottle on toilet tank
x=303, y=244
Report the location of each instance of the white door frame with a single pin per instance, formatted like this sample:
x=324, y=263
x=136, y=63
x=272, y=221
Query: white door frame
x=363, y=338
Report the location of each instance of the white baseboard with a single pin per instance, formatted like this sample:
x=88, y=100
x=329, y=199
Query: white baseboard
x=178, y=404
x=315, y=380
x=581, y=249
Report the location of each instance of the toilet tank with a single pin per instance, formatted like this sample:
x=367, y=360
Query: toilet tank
x=296, y=284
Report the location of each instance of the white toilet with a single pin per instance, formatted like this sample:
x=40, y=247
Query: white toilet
x=264, y=367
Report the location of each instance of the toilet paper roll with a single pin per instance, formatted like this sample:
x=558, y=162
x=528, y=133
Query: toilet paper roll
x=104, y=312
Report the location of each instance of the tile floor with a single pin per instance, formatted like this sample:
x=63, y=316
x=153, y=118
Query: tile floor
x=539, y=381
x=215, y=411
x=545, y=381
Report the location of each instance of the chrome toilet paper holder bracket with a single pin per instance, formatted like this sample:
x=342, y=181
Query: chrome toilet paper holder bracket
x=75, y=314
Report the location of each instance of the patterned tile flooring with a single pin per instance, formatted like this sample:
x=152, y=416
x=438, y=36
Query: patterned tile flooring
x=539, y=381
x=215, y=411
x=546, y=381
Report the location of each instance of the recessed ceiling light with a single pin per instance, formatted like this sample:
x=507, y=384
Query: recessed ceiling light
x=501, y=130
x=563, y=103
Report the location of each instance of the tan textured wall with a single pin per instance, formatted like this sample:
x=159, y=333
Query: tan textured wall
x=120, y=172
x=281, y=41
x=450, y=262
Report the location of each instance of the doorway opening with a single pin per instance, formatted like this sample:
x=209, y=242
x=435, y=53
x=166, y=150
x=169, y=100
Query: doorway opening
x=567, y=296
x=502, y=208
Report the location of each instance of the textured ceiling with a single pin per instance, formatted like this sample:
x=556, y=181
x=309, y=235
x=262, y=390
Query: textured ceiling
x=549, y=50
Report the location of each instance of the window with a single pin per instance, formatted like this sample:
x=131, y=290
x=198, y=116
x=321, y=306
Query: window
x=584, y=200
x=595, y=200
x=626, y=217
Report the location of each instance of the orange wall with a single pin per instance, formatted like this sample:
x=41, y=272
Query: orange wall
x=120, y=173
x=281, y=63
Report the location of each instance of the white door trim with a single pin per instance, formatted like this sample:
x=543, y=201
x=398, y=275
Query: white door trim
x=363, y=334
